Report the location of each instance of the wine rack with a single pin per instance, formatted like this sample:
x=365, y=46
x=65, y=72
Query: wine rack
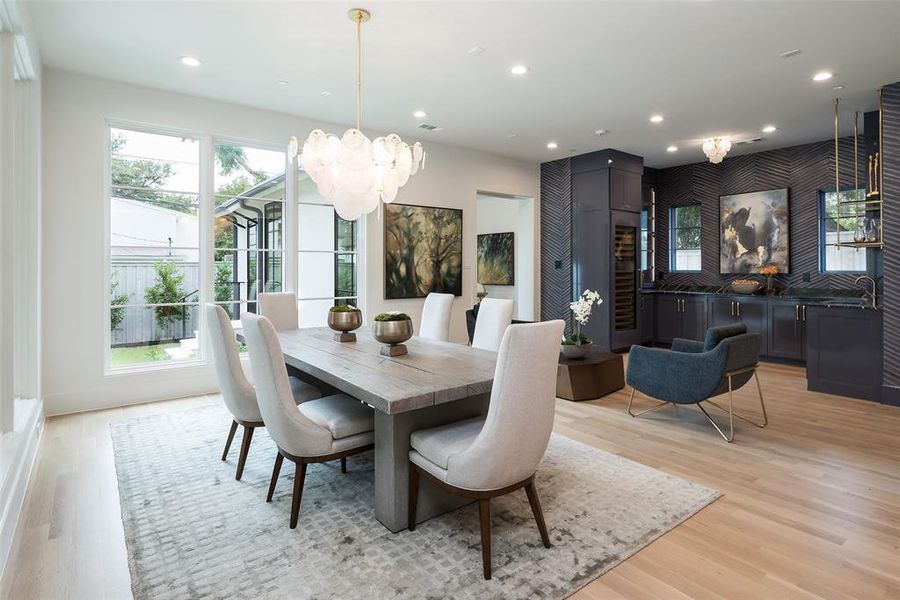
x=624, y=277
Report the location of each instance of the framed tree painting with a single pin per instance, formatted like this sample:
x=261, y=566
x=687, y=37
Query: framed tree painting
x=496, y=258
x=422, y=251
x=754, y=232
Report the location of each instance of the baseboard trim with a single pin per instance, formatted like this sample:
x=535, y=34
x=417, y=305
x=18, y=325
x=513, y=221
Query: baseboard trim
x=13, y=487
x=890, y=395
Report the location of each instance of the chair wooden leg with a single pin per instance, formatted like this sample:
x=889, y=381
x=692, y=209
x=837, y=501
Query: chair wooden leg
x=299, y=478
x=245, y=448
x=535, y=502
x=231, y=433
x=276, y=470
x=484, y=511
x=343, y=464
x=413, y=497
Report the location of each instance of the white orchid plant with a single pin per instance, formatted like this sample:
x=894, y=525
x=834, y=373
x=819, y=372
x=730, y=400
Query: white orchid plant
x=581, y=310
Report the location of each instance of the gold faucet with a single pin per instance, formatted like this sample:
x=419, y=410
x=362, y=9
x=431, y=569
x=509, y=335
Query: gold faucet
x=873, y=294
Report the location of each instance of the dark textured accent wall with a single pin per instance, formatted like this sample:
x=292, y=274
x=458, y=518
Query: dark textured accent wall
x=891, y=227
x=556, y=240
x=805, y=170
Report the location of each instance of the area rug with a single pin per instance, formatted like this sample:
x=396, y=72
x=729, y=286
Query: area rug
x=192, y=531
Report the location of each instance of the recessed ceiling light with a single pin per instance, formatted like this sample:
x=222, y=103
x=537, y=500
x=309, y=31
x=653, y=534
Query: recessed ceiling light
x=601, y=132
x=769, y=128
x=656, y=119
x=672, y=149
x=823, y=76
x=420, y=114
x=838, y=88
x=190, y=61
x=325, y=93
x=519, y=69
x=282, y=82
x=552, y=145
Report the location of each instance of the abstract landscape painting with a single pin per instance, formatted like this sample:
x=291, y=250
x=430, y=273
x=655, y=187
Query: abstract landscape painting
x=496, y=258
x=754, y=232
x=422, y=251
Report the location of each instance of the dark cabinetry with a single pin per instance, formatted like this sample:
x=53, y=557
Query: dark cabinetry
x=680, y=316
x=787, y=330
x=844, y=351
x=749, y=311
x=648, y=318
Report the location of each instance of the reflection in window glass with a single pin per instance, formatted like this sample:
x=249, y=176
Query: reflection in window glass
x=684, y=238
x=834, y=258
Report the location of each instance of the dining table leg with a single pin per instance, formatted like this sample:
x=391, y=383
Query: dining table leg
x=392, y=433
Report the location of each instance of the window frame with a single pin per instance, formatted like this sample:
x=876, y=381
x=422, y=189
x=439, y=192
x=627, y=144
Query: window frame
x=290, y=251
x=823, y=244
x=673, y=229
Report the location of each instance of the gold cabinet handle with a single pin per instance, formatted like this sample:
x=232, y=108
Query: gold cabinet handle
x=738, y=309
x=732, y=308
x=797, y=313
x=804, y=312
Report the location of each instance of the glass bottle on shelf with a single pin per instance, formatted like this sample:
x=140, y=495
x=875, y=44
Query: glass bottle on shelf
x=859, y=234
x=872, y=224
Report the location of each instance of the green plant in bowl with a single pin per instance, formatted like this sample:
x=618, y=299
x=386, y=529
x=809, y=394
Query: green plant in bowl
x=392, y=316
x=343, y=308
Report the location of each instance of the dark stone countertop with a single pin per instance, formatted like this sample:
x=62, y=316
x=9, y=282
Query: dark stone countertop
x=811, y=296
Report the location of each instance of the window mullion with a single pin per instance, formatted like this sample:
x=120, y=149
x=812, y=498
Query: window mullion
x=206, y=218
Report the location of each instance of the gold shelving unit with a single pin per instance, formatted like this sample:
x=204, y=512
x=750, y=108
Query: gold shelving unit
x=870, y=206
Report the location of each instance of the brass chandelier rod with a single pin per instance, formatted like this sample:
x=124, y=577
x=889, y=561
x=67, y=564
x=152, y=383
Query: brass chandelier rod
x=360, y=16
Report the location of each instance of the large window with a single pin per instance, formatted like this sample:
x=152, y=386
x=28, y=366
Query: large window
x=834, y=258
x=249, y=203
x=327, y=256
x=684, y=238
x=176, y=242
x=154, y=247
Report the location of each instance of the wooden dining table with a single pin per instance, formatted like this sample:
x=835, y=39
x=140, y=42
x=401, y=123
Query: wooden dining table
x=434, y=384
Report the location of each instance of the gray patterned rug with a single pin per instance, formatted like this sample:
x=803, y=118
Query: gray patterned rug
x=193, y=531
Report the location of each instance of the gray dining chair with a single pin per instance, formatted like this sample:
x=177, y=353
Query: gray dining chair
x=487, y=457
x=329, y=428
x=237, y=392
x=436, y=316
x=494, y=317
x=280, y=308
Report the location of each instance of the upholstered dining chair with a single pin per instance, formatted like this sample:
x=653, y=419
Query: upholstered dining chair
x=436, y=317
x=329, y=428
x=487, y=457
x=280, y=308
x=238, y=393
x=494, y=317
x=693, y=372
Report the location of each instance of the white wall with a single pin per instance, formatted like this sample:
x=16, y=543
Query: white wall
x=498, y=214
x=75, y=109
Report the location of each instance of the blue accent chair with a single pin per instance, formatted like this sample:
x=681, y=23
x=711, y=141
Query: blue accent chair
x=693, y=372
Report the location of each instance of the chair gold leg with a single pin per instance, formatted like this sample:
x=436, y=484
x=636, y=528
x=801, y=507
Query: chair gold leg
x=740, y=416
x=634, y=414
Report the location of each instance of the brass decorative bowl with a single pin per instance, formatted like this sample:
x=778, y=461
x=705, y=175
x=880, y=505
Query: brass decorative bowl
x=745, y=286
x=392, y=334
x=345, y=320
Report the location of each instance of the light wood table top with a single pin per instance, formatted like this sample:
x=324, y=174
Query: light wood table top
x=432, y=373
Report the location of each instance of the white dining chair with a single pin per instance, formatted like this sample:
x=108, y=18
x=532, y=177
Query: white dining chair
x=487, y=457
x=280, y=308
x=330, y=428
x=494, y=317
x=238, y=393
x=436, y=317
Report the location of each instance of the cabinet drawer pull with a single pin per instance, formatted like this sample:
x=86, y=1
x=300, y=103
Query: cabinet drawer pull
x=732, y=308
x=804, y=312
x=738, y=309
x=797, y=313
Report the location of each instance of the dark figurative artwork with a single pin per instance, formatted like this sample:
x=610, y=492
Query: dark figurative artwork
x=754, y=232
x=422, y=251
x=496, y=259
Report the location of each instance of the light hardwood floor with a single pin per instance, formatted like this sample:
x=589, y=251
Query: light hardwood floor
x=811, y=504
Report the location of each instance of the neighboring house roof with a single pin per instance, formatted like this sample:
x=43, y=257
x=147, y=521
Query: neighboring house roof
x=254, y=198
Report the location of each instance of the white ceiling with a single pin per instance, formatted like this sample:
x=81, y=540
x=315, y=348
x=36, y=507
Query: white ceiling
x=709, y=67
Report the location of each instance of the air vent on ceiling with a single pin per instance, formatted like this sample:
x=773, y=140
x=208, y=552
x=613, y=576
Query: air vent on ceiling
x=428, y=127
x=749, y=141
x=791, y=53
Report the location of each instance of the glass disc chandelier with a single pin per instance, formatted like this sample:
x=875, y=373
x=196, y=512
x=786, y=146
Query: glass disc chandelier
x=353, y=173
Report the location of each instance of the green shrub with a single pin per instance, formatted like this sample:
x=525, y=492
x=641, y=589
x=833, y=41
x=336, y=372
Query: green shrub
x=168, y=289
